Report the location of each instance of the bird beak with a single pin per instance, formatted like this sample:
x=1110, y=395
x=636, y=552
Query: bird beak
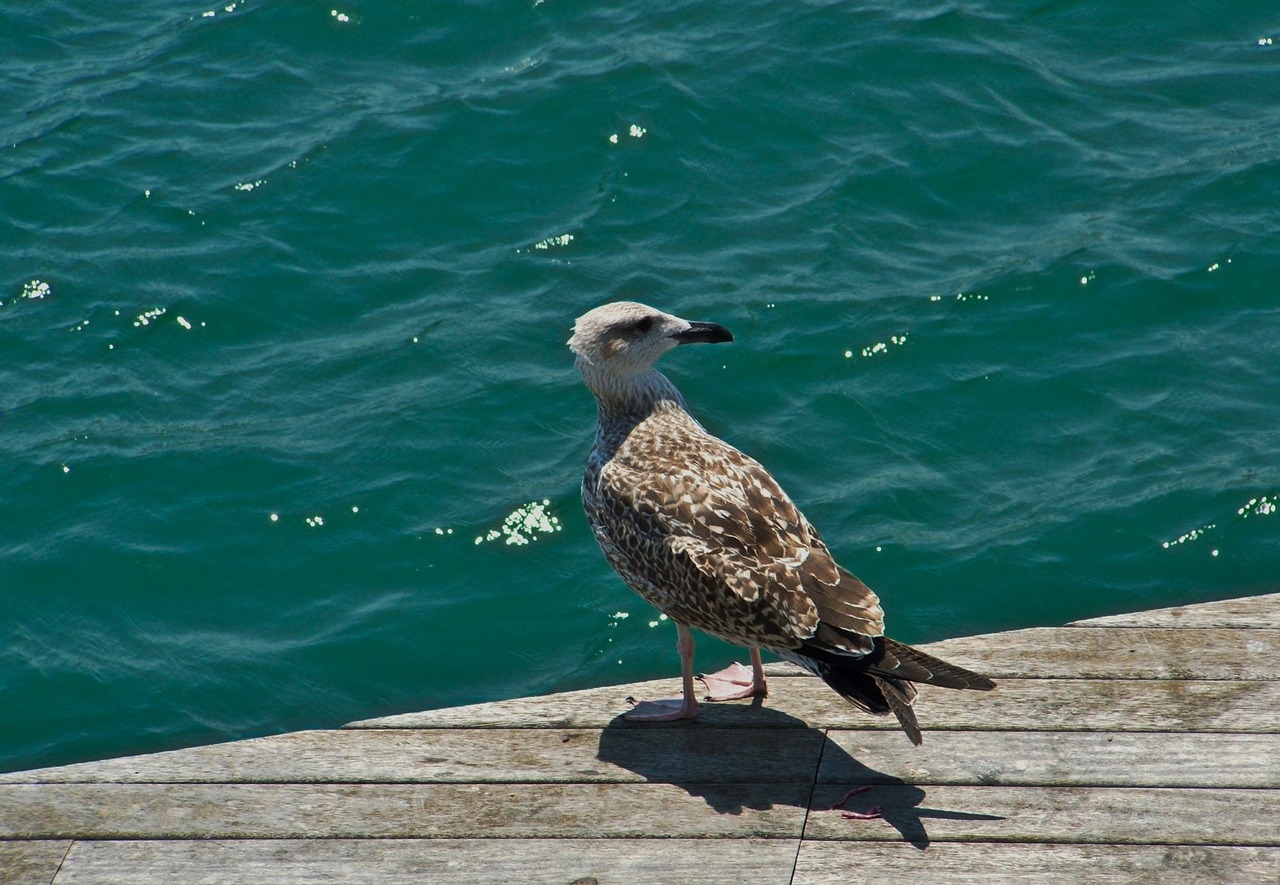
x=703, y=333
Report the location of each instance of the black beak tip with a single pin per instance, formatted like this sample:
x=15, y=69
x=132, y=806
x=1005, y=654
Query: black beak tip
x=704, y=333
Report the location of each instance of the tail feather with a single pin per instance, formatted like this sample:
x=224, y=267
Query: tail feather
x=900, y=703
x=881, y=682
x=904, y=662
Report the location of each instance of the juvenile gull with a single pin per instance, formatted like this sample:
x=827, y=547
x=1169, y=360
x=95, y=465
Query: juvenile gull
x=707, y=536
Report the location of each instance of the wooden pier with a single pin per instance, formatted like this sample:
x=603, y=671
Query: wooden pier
x=1132, y=748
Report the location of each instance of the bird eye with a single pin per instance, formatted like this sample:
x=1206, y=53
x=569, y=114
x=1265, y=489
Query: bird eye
x=644, y=325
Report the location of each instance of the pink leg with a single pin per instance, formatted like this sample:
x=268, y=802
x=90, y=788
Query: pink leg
x=669, y=709
x=736, y=681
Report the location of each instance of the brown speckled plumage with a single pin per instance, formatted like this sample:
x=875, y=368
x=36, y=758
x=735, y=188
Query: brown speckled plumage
x=706, y=535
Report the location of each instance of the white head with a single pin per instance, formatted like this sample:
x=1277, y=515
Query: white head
x=626, y=338
x=622, y=340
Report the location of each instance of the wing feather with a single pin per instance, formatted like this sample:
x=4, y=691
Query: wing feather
x=722, y=513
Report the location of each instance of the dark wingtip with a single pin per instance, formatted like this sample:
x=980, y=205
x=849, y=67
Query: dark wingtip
x=905, y=662
x=899, y=701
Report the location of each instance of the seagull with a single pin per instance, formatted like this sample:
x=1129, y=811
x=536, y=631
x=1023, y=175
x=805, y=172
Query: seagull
x=707, y=536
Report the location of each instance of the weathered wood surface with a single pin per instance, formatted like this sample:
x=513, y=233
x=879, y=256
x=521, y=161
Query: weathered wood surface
x=938, y=813
x=26, y=863
x=1127, y=748
x=1047, y=759
x=1018, y=704
x=639, y=754
x=675, y=861
x=761, y=755
x=1051, y=815
x=829, y=863
x=429, y=861
x=1134, y=653
x=353, y=811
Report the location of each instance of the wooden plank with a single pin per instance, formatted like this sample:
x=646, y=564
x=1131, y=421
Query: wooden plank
x=935, y=812
x=435, y=861
x=357, y=811
x=1119, y=653
x=625, y=753
x=1104, y=815
x=1055, y=759
x=1251, y=611
x=1023, y=704
x=1152, y=651
x=30, y=863
x=1100, y=705
x=829, y=863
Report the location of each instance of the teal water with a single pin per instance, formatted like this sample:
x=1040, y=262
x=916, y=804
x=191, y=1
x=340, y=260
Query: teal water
x=285, y=290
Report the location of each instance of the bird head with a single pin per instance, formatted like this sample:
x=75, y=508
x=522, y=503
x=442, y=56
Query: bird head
x=625, y=338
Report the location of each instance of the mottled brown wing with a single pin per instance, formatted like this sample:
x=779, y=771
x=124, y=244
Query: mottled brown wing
x=725, y=514
x=850, y=610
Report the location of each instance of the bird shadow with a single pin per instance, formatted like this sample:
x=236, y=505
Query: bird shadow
x=746, y=756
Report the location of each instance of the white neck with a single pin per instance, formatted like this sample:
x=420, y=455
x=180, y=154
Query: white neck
x=630, y=397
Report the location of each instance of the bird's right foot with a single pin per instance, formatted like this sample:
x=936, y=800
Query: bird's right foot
x=732, y=683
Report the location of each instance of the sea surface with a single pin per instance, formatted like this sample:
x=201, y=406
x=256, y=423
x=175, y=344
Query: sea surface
x=289, y=435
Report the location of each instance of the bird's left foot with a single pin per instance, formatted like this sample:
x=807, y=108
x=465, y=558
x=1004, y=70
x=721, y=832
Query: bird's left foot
x=732, y=683
x=664, y=710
